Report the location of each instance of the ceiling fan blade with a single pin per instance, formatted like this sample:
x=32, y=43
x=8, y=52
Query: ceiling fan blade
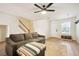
x=49, y=5
x=37, y=11
x=50, y=10
x=38, y=6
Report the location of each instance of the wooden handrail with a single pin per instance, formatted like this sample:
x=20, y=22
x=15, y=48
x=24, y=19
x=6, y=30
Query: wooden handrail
x=24, y=25
x=22, y=28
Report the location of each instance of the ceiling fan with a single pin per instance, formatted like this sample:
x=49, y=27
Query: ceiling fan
x=44, y=8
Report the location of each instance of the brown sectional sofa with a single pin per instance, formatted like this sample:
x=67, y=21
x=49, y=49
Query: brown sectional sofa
x=14, y=41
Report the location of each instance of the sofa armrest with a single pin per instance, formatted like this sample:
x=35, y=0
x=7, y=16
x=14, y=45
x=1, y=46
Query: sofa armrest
x=12, y=46
x=41, y=36
x=10, y=42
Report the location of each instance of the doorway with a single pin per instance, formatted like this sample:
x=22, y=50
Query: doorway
x=3, y=32
x=66, y=30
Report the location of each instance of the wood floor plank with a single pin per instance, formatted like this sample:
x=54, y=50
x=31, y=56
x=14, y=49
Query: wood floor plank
x=60, y=47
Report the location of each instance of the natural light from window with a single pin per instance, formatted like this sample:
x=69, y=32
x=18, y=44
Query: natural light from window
x=66, y=28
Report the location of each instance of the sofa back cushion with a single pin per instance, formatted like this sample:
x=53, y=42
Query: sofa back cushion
x=28, y=36
x=34, y=34
x=17, y=37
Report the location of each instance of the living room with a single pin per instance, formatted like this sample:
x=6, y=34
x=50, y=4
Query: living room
x=19, y=18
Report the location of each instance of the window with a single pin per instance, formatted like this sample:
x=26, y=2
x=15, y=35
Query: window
x=66, y=28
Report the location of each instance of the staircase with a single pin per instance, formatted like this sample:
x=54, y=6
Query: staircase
x=25, y=24
x=23, y=27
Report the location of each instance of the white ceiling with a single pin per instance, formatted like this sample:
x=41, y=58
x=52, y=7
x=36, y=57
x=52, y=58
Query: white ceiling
x=63, y=10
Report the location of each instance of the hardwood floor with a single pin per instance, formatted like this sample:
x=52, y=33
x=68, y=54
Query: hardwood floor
x=54, y=47
x=60, y=47
x=2, y=49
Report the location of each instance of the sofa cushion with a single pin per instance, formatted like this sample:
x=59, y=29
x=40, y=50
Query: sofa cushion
x=17, y=37
x=35, y=35
x=28, y=36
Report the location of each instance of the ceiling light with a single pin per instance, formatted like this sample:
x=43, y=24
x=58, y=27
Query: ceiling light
x=43, y=12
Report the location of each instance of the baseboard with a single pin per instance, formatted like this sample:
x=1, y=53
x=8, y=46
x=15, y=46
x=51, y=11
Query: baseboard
x=75, y=41
x=54, y=38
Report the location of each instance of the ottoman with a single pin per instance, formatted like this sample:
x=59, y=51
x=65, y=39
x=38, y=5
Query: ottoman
x=32, y=49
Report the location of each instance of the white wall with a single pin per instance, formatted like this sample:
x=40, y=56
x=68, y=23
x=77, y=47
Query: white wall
x=41, y=26
x=77, y=30
x=46, y=27
x=54, y=29
x=11, y=22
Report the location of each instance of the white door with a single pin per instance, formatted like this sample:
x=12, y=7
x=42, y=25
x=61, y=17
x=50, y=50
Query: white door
x=3, y=32
x=54, y=29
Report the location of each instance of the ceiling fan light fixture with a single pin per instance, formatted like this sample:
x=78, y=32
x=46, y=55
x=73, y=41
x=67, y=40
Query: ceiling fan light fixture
x=43, y=12
x=44, y=8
